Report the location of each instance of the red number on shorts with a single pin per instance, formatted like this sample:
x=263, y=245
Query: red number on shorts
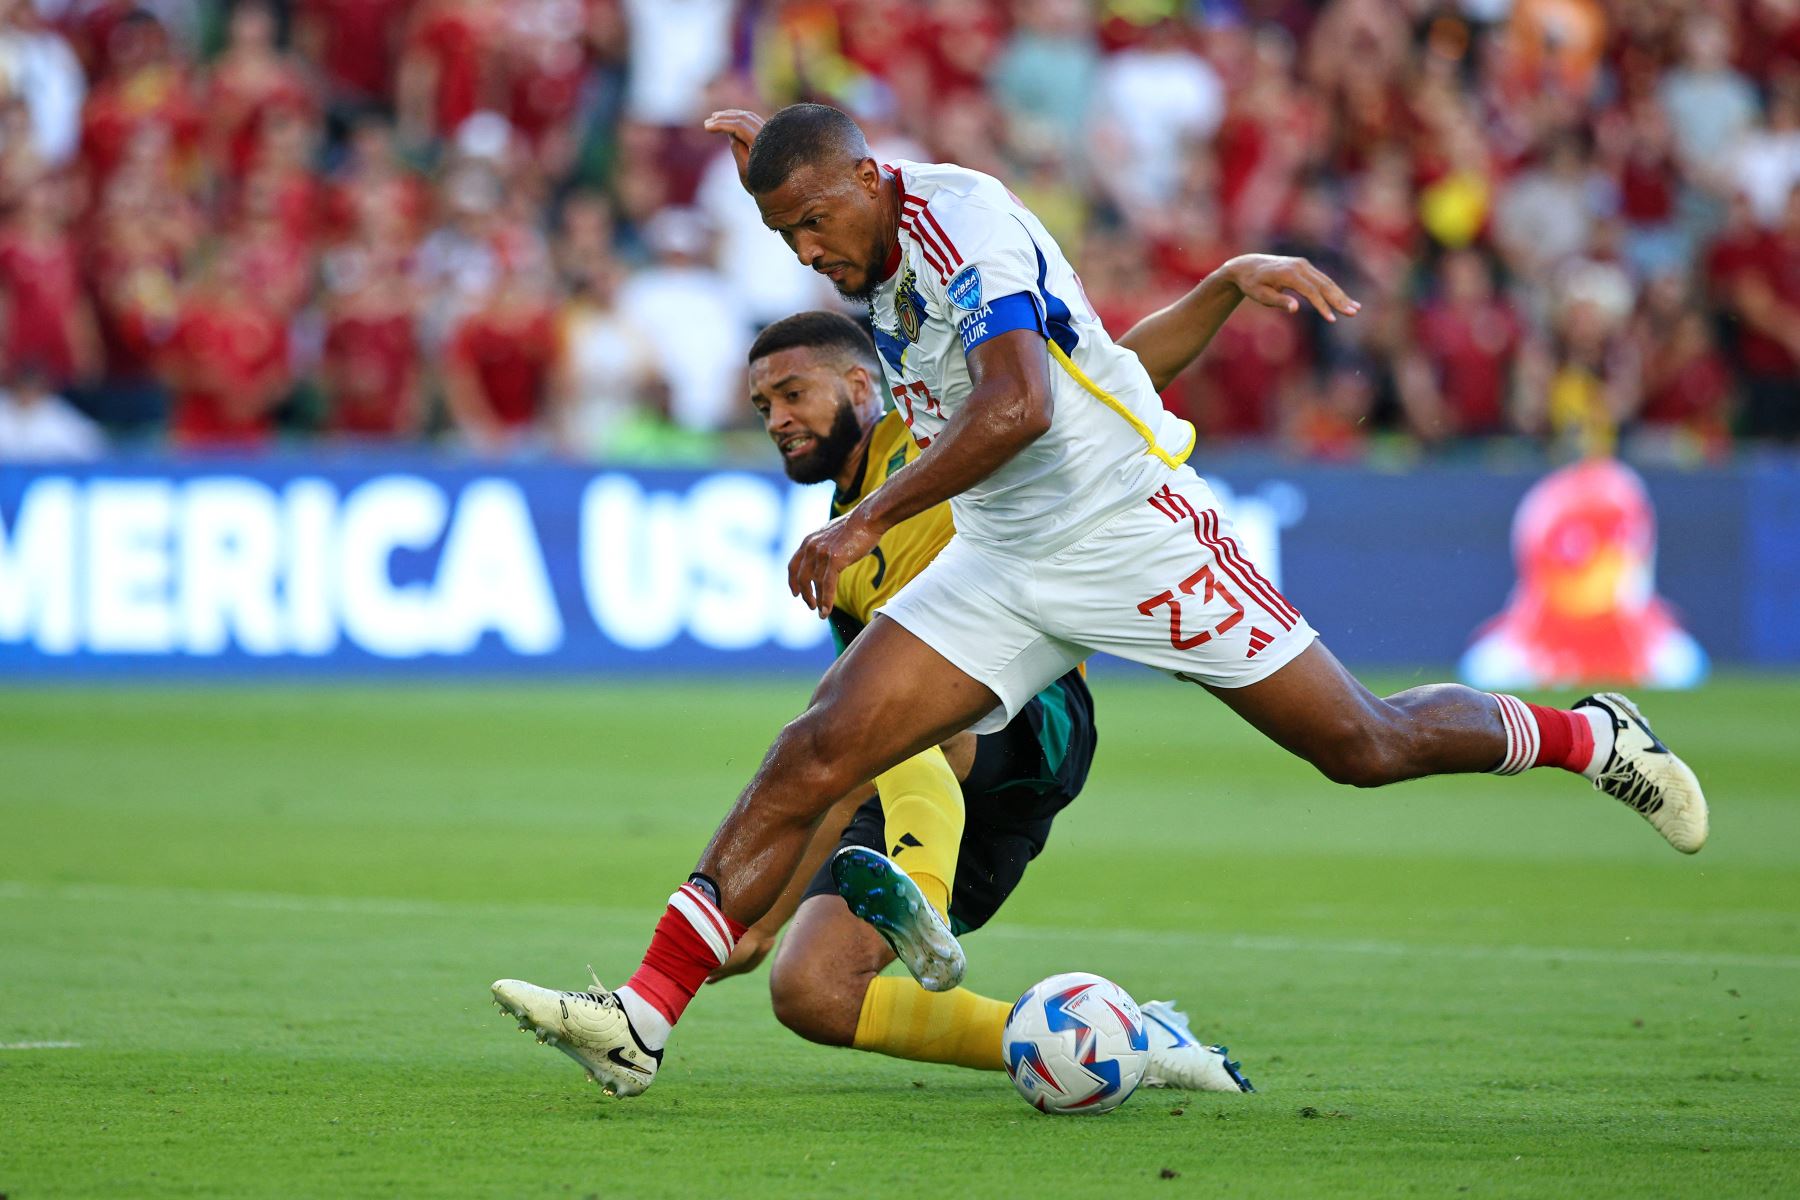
x=1203, y=576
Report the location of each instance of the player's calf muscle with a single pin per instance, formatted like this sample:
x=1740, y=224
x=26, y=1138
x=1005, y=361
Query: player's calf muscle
x=1437, y=729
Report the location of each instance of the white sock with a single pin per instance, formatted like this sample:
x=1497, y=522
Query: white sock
x=652, y=1027
x=1601, y=720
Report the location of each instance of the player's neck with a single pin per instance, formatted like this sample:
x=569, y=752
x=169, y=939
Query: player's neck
x=850, y=475
x=890, y=209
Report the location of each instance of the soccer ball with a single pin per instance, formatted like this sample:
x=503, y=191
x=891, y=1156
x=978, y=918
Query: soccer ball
x=1076, y=1043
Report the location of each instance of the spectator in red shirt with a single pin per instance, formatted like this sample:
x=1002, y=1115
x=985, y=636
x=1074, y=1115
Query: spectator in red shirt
x=355, y=44
x=1271, y=128
x=1687, y=387
x=1249, y=376
x=252, y=79
x=1649, y=186
x=1735, y=253
x=227, y=363
x=273, y=260
x=1383, y=226
x=1767, y=300
x=373, y=180
x=546, y=65
x=1453, y=381
x=283, y=164
x=497, y=374
x=47, y=319
x=1188, y=236
x=957, y=41
x=370, y=360
x=142, y=233
x=446, y=69
x=146, y=94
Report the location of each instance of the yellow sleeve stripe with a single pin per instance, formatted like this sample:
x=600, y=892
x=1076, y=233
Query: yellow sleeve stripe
x=1113, y=402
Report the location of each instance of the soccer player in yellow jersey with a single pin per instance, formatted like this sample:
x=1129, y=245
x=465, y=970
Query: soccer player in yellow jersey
x=963, y=819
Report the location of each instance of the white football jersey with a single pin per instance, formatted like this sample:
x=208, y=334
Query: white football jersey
x=974, y=264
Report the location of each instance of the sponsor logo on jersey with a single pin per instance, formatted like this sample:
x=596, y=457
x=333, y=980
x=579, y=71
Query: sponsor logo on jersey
x=909, y=307
x=965, y=289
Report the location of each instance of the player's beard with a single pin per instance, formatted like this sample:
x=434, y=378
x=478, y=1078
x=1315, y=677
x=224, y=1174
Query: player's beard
x=828, y=455
x=875, y=259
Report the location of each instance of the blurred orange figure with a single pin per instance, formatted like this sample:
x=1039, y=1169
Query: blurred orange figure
x=1585, y=608
x=1559, y=43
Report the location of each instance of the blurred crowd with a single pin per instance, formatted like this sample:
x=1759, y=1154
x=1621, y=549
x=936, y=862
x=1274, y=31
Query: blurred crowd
x=497, y=223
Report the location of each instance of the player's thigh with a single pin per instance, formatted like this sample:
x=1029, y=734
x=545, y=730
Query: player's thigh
x=886, y=698
x=1167, y=584
x=978, y=610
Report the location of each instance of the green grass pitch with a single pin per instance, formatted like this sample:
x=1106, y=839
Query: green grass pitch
x=246, y=936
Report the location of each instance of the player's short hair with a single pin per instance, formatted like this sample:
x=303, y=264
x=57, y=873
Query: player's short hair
x=802, y=135
x=818, y=330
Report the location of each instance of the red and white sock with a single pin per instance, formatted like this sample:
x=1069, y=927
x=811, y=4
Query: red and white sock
x=693, y=937
x=1580, y=740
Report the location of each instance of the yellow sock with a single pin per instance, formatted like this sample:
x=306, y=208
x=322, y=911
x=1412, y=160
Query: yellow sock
x=958, y=1027
x=922, y=803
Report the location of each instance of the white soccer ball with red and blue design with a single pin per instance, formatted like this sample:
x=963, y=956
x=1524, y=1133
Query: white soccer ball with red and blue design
x=1076, y=1043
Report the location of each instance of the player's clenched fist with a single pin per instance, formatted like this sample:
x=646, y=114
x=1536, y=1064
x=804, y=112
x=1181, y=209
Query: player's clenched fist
x=741, y=126
x=813, y=571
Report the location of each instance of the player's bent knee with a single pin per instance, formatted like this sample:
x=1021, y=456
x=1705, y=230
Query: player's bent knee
x=813, y=1005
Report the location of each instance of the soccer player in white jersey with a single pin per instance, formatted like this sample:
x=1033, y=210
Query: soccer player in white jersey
x=1079, y=529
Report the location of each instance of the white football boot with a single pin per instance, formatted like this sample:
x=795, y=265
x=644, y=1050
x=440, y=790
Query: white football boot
x=1180, y=1060
x=1647, y=778
x=879, y=892
x=590, y=1027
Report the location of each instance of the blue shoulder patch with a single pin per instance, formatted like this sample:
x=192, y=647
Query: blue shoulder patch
x=964, y=289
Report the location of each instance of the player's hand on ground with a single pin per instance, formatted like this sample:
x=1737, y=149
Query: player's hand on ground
x=741, y=126
x=1278, y=281
x=813, y=571
x=746, y=956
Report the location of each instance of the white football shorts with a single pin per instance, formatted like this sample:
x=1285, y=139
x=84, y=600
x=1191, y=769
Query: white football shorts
x=1163, y=582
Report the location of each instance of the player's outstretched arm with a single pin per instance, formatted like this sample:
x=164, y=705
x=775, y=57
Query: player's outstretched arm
x=1008, y=408
x=1169, y=339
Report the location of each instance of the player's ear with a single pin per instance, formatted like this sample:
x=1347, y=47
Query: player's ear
x=868, y=176
x=862, y=384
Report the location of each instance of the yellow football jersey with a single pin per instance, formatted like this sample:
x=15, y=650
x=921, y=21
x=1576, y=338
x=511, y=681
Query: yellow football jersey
x=903, y=550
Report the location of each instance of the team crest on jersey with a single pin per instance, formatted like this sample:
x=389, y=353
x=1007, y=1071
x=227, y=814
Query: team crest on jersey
x=965, y=290
x=909, y=307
